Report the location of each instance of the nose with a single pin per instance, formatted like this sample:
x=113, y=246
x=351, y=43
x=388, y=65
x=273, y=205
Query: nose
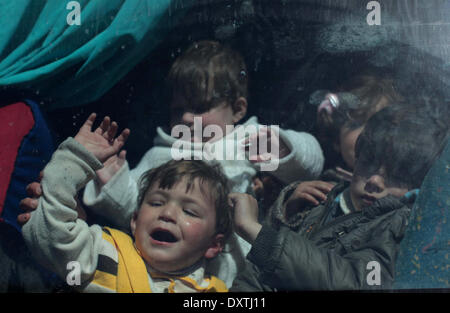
x=168, y=213
x=375, y=184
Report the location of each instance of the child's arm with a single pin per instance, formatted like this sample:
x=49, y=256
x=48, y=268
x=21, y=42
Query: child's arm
x=54, y=234
x=286, y=260
x=245, y=215
x=117, y=199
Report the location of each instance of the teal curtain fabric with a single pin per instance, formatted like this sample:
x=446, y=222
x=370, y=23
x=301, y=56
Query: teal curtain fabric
x=76, y=64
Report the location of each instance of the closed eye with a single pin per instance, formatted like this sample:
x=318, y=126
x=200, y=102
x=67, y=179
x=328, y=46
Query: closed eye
x=190, y=212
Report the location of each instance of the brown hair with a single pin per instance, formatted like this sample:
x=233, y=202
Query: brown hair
x=206, y=74
x=359, y=99
x=172, y=172
x=405, y=140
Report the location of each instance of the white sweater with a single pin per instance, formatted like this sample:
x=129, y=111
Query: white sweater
x=117, y=200
x=56, y=236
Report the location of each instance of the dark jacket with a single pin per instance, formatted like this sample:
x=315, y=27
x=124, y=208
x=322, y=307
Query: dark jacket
x=312, y=255
x=19, y=272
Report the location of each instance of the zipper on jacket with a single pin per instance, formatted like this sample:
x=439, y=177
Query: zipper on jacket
x=313, y=228
x=332, y=223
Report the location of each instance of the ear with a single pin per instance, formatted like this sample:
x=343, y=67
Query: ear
x=239, y=109
x=133, y=222
x=216, y=247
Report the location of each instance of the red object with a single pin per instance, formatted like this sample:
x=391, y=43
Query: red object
x=16, y=121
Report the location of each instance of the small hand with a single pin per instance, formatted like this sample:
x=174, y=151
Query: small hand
x=265, y=145
x=110, y=167
x=30, y=203
x=343, y=174
x=309, y=192
x=101, y=142
x=245, y=215
x=257, y=186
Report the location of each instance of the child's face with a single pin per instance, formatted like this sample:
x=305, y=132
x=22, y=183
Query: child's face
x=347, y=141
x=221, y=115
x=365, y=190
x=174, y=228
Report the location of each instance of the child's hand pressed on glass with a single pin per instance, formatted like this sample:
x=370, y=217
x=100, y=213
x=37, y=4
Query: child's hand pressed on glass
x=102, y=142
x=275, y=146
x=110, y=167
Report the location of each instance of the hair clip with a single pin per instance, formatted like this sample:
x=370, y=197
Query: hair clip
x=330, y=103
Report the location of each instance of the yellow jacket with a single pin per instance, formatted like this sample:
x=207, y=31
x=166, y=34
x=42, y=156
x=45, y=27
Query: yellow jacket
x=129, y=274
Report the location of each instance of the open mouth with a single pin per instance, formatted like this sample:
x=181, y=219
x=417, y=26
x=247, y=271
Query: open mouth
x=163, y=235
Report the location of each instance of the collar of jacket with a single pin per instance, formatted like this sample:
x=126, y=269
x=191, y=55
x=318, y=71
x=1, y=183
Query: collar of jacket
x=275, y=216
x=379, y=207
x=389, y=203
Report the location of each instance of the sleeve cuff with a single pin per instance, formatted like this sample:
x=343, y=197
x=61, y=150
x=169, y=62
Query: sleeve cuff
x=305, y=160
x=77, y=149
x=94, y=195
x=265, y=249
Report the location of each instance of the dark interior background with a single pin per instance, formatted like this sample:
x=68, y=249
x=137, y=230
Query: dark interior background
x=292, y=48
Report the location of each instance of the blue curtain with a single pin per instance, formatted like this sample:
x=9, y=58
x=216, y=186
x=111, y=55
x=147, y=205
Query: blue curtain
x=77, y=64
